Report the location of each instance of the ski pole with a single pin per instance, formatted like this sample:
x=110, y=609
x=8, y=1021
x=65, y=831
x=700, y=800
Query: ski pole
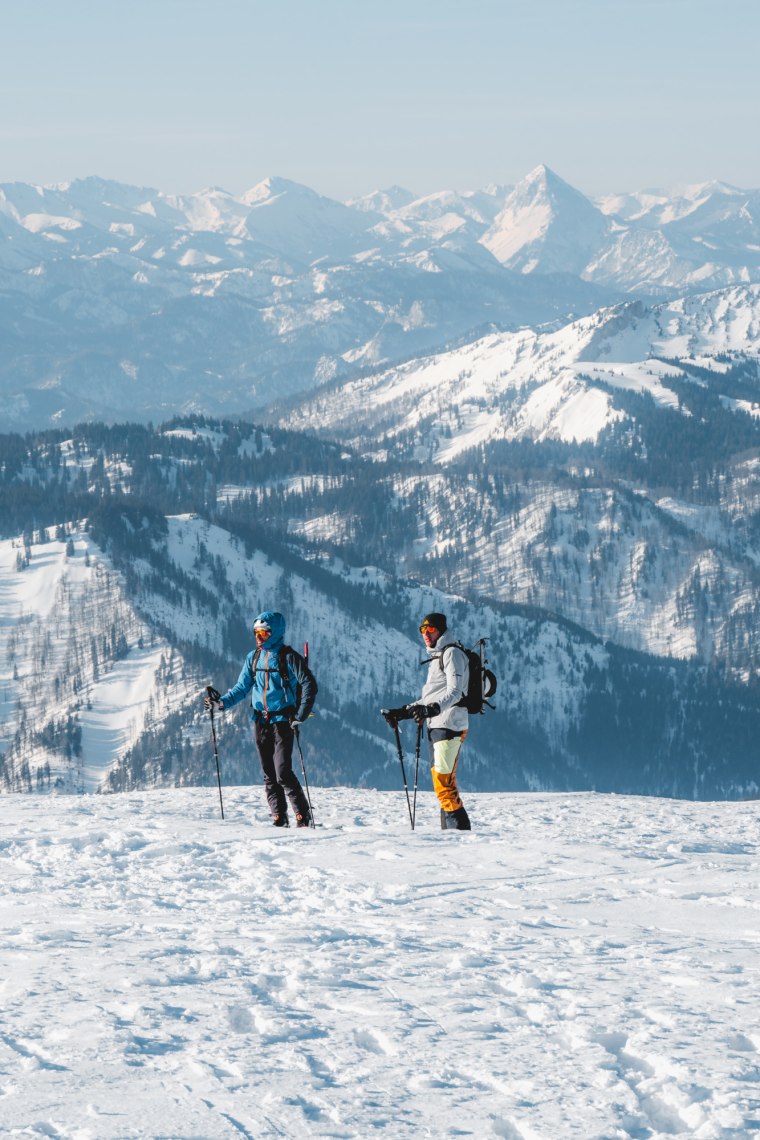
x=297, y=735
x=403, y=771
x=213, y=696
x=416, y=771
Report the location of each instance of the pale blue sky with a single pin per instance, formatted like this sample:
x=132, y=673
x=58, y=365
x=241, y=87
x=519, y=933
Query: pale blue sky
x=351, y=95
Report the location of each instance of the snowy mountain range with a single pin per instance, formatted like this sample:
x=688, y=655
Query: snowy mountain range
x=121, y=301
x=487, y=410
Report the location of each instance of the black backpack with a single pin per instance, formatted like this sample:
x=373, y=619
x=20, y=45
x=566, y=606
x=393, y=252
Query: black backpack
x=482, y=681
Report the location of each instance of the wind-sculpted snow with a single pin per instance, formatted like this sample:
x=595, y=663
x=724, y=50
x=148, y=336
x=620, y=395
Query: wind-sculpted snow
x=582, y=967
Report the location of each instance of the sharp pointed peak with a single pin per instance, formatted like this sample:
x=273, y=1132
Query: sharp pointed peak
x=273, y=186
x=545, y=176
x=543, y=184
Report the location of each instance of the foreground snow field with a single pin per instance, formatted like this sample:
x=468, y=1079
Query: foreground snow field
x=577, y=966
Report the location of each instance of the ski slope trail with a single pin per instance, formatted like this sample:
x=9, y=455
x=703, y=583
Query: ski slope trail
x=577, y=966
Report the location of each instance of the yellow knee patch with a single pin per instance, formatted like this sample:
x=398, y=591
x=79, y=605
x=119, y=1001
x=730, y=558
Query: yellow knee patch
x=446, y=754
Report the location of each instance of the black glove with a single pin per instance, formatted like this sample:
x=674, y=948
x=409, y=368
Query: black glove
x=422, y=712
x=393, y=716
x=211, y=699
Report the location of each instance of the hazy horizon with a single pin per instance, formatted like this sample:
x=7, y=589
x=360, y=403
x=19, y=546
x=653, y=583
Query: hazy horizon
x=179, y=95
x=388, y=184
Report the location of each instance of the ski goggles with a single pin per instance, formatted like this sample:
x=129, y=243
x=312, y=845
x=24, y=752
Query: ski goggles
x=262, y=630
x=427, y=627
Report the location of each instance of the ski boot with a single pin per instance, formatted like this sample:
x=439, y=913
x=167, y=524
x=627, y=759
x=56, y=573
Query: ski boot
x=455, y=820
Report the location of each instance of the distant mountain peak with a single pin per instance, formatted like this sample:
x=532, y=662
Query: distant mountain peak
x=384, y=201
x=526, y=233
x=215, y=191
x=273, y=187
x=95, y=186
x=542, y=180
x=702, y=189
x=541, y=173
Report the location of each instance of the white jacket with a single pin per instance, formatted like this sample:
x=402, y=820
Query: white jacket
x=446, y=686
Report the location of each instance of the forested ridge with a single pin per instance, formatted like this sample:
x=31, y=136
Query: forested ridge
x=372, y=539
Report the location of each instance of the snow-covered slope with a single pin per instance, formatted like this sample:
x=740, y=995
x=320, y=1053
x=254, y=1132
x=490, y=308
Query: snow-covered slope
x=540, y=385
x=128, y=623
x=80, y=671
x=662, y=577
x=669, y=572
x=574, y=967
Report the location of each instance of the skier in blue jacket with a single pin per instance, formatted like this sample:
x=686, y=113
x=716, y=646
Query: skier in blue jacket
x=283, y=689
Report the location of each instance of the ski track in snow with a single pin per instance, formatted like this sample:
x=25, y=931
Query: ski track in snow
x=577, y=966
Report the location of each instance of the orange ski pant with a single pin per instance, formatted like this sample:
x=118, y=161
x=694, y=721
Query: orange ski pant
x=445, y=756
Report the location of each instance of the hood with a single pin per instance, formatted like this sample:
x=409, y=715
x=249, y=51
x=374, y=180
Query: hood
x=276, y=623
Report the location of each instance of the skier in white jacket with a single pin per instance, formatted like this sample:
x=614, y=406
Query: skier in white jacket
x=440, y=704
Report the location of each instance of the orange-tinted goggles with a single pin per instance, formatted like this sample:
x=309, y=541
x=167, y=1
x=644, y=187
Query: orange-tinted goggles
x=426, y=626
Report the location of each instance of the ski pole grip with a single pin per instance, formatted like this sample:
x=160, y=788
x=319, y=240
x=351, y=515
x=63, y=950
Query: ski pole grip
x=213, y=693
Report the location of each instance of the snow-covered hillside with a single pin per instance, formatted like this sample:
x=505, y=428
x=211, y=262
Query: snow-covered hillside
x=582, y=967
x=541, y=385
x=80, y=670
x=112, y=629
x=665, y=578
x=630, y=543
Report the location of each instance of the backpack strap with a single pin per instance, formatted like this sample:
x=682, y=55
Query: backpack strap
x=458, y=645
x=282, y=664
x=454, y=645
x=282, y=667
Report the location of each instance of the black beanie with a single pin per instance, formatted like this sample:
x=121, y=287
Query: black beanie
x=438, y=621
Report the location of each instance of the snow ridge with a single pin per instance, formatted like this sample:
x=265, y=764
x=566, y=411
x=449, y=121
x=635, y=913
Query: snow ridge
x=541, y=385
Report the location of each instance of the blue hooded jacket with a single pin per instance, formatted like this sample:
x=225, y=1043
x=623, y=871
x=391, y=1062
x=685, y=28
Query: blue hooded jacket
x=274, y=696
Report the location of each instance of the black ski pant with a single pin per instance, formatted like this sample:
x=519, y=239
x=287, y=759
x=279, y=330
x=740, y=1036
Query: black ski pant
x=274, y=743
